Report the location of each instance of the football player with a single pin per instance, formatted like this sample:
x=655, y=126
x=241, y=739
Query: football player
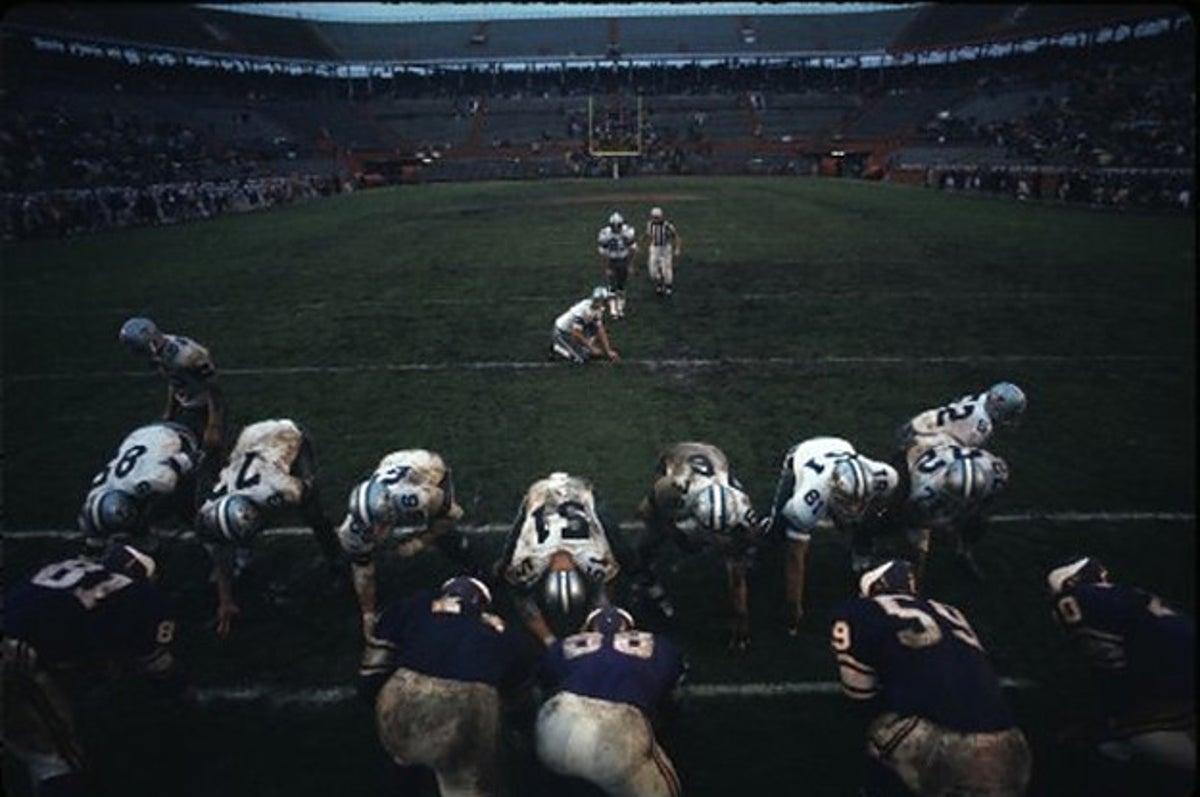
x=697, y=503
x=665, y=244
x=436, y=672
x=609, y=683
x=149, y=479
x=1142, y=657
x=558, y=556
x=409, y=498
x=193, y=396
x=579, y=334
x=967, y=421
x=617, y=246
x=70, y=619
x=271, y=471
x=915, y=667
x=951, y=486
x=823, y=482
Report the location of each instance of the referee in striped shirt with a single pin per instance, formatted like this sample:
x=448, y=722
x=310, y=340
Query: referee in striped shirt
x=665, y=245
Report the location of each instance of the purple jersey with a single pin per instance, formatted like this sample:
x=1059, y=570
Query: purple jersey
x=77, y=611
x=634, y=667
x=1140, y=650
x=441, y=637
x=917, y=657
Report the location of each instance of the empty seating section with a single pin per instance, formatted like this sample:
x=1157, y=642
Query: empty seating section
x=902, y=111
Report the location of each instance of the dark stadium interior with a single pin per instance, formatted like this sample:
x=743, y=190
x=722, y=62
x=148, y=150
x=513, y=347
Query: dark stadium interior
x=915, y=198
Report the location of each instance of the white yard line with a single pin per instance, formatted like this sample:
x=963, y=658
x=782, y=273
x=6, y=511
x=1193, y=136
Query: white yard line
x=558, y=299
x=319, y=697
x=649, y=363
x=21, y=535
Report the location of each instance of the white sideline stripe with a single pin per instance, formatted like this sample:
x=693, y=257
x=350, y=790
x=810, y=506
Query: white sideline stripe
x=332, y=695
x=651, y=363
x=17, y=535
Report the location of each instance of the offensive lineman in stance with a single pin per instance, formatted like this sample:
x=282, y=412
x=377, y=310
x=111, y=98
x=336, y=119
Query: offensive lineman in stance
x=617, y=246
x=611, y=680
x=950, y=488
x=823, y=478
x=665, y=244
x=559, y=544
x=939, y=724
x=149, y=478
x=698, y=503
x=409, y=498
x=436, y=672
x=271, y=469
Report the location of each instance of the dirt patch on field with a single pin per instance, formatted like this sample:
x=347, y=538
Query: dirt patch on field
x=606, y=199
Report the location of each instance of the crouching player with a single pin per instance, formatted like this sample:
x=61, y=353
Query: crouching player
x=939, y=725
x=409, y=499
x=610, y=680
x=579, y=334
x=558, y=557
x=271, y=472
x=71, y=618
x=436, y=672
x=149, y=479
x=697, y=503
x=1141, y=655
x=823, y=482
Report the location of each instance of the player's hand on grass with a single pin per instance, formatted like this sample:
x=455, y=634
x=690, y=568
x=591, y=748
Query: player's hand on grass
x=739, y=639
x=613, y=356
x=225, y=613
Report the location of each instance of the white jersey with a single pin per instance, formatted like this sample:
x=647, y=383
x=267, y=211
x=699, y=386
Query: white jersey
x=965, y=421
x=150, y=461
x=260, y=465
x=559, y=514
x=580, y=315
x=419, y=486
x=189, y=369
x=616, y=244
x=688, y=469
x=809, y=465
x=939, y=504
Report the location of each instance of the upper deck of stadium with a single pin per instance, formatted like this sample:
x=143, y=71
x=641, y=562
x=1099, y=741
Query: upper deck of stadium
x=900, y=29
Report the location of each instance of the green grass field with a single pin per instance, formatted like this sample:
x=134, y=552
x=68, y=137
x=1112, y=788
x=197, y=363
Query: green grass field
x=420, y=317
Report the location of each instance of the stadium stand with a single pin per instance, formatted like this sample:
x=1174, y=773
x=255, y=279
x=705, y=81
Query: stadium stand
x=137, y=96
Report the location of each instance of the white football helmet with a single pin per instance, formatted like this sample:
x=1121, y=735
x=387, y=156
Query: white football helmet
x=233, y=518
x=718, y=508
x=1004, y=403
x=616, y=220
x=370, y=504
x=850, y=484
x=140, y=335
x=976, y=478
x=113, y=512
x=601, y=294
x=656, y=213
